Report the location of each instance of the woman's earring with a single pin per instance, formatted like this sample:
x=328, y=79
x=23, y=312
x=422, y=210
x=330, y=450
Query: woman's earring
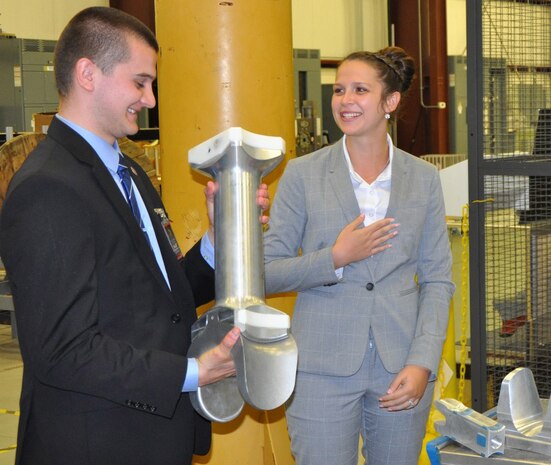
x=387, y=115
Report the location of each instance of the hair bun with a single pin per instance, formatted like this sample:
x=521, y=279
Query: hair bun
x=400, y=62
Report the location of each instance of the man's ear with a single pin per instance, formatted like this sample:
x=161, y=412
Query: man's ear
x=85, y=74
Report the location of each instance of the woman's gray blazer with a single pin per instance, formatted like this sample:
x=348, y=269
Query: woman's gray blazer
x=402, y=294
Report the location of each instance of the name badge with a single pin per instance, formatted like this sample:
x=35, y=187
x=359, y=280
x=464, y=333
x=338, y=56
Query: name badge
x=167, y=228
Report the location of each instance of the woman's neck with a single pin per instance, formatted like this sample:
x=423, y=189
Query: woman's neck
x=369, y=157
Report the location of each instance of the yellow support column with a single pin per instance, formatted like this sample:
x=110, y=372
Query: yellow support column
x=224, y=64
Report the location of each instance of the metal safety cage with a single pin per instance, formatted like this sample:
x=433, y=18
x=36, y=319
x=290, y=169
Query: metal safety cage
x=509, y=122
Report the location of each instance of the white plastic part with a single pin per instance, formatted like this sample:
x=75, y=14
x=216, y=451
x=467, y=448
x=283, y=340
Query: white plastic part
x=245, y=317
x=215, y=146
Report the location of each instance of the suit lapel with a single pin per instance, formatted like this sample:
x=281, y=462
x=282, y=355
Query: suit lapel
x=105, y=181
x=81, y=150
x=344, y=192
x=399, y=193
x=342, y=185
x=181, y=290
x=168, y=256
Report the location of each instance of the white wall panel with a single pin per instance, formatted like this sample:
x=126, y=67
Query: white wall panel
x=40, y=19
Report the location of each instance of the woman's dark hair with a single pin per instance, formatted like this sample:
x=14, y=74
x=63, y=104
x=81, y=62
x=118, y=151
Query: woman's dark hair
x=394, y=66
x=100, y=34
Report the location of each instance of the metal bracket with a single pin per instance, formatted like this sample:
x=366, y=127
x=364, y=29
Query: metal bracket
x=266, y=354
x=521, y=410
x=470, y=428
x=523, y=419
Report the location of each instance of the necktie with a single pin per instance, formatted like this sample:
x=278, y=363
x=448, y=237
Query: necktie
x=126, y=181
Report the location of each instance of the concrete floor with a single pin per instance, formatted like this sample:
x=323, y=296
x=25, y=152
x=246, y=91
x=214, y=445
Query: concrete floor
x=11, y=371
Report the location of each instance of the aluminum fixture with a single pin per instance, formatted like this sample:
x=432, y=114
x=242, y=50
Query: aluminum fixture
x=266, y=353
x=520, y=409
x=474, y=430
x=523, y=420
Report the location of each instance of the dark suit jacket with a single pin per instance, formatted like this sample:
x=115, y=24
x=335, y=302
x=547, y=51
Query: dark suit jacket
x=103, y=338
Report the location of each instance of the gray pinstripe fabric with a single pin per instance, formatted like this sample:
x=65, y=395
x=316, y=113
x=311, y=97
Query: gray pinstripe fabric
x=327, y=413
x=315, y=200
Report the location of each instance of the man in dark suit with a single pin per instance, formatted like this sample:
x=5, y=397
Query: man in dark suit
x=103, y=296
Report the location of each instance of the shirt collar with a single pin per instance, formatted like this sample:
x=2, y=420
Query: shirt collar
x=108, y=154
x=385, y=175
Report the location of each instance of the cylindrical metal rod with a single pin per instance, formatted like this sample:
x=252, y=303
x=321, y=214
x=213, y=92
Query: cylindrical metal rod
x=238, y=251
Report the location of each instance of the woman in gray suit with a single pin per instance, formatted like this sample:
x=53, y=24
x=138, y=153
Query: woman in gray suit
x=358, y=229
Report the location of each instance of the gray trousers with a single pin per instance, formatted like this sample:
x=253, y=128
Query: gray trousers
x=327, y=414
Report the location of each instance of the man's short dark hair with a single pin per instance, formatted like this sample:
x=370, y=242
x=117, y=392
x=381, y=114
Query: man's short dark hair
x=100, y=34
